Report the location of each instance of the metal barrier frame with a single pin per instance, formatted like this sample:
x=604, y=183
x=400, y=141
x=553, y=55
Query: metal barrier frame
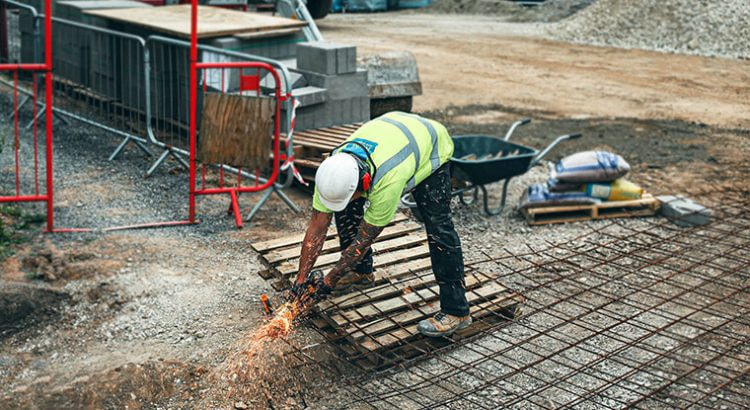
x=281, y=71
x=179, y=154
x=233, y=192
x=46, y=68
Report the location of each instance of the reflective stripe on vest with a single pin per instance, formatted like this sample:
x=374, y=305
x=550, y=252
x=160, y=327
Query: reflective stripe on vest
x=434, y=155
x=410, y=148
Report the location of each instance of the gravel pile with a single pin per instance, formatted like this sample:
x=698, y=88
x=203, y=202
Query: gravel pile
x=710, y=28
x=550, y=11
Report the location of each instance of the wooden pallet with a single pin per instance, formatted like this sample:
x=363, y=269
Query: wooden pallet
x=312, y=146
x=377, y=327
x=646, y=206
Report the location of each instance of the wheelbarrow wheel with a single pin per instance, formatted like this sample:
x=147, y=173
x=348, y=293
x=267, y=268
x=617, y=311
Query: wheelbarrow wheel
x=468, y=200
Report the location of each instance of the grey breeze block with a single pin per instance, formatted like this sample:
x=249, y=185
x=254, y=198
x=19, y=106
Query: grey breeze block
x=683, y=211
x=342, y=86
x=326, y=58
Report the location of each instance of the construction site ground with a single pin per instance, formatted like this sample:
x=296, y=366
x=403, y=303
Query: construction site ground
x=146, y=319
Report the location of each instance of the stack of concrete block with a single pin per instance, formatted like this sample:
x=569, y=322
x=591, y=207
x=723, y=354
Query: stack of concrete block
x=332, y=67
x=29, y=45
x=108, y=64
x=278, y=47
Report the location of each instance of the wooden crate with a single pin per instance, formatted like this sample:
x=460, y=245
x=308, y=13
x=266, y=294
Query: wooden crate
x=646, y=206
x=377, y=327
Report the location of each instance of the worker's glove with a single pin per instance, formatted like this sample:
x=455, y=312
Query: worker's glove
x=312, y=290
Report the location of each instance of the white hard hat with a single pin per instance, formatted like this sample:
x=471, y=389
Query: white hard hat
x=337, y=179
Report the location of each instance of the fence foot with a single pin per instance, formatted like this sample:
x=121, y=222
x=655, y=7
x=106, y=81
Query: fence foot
x=180, y=160
x=36, y=119
x=158, y=162
x=20, y=105
x=256, y=208
x=124, y=143
x=167, y=152
x=40, y=114
x=235, y=208
x=296, y=209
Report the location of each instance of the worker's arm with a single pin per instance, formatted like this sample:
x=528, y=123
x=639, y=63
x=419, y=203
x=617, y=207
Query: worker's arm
x=315, y=237
x=353, y=253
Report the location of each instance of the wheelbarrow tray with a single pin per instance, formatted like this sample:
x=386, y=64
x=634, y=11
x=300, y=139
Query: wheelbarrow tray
x=482, y=159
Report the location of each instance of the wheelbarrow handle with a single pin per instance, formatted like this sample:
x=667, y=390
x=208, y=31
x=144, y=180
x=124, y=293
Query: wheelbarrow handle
x=522, y=121
x=549, y=148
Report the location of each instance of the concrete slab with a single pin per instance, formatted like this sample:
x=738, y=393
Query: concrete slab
x=683, y=211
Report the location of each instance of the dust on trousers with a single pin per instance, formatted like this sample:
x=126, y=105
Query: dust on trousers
x=433, y=197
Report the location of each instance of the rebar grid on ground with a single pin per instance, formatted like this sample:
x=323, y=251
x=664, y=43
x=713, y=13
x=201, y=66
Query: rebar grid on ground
x=633, y=314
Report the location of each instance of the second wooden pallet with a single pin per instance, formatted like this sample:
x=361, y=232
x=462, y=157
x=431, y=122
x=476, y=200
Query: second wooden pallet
x=646, y=206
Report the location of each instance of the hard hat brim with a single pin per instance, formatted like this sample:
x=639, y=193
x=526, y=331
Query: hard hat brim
x=337, y=206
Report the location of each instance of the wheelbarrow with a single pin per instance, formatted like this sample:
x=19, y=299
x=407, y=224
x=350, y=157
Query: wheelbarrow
x=479, y=160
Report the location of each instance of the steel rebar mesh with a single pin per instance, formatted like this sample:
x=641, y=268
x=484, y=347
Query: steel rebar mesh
x=636, y=313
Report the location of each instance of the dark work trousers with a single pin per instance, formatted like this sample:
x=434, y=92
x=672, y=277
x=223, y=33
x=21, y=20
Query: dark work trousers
x=433, y=196
x=347, y=225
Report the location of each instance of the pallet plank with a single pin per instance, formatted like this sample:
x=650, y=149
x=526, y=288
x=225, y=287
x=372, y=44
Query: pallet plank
x=405, y=333
x=646, y=206
x=404, y=300
x=265, y=246
x=378, y=326
x=290, y=267
x=383, y=290
x=332, y=245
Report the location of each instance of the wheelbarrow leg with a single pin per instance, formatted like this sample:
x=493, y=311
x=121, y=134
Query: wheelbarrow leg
x=485, y=198
x=474, y=195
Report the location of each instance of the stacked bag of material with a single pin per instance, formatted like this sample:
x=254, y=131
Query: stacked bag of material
x=584, y=178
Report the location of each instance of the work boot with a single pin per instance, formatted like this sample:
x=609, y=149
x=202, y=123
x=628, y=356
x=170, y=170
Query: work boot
x=443, y=324
x=355, y=280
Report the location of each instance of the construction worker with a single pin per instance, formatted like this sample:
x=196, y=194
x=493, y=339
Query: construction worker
x=386, y=157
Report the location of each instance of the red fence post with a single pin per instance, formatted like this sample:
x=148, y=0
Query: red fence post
x=193, y=103
x=48, y=112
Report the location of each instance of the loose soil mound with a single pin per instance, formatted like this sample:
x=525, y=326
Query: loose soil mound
x=712, y=28
x=549, y=11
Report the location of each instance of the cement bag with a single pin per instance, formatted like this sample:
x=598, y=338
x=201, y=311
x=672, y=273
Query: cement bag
x=556, y=186
x=538, y=195
x=619, y=190
x=590, y=166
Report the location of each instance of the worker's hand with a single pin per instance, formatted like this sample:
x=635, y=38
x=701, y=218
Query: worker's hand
x=311, y=290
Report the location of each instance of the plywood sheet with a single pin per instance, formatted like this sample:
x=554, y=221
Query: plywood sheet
x=212, y=21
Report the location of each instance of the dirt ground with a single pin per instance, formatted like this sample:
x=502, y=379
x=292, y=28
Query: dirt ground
x=145, y=319
x=466, y=60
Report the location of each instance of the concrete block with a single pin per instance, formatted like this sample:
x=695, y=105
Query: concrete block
x=683, y=211
x=341, y=87
x=308, y=96
x=277, y=47
x=326, y=58
x=297, y=80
